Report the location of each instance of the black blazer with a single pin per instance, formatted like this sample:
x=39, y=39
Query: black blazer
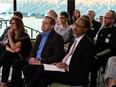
x=79, y=67
x=101, y=43
x=53, y=50
x=81, y=62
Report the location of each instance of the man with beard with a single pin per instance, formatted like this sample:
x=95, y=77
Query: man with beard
x=105, y=45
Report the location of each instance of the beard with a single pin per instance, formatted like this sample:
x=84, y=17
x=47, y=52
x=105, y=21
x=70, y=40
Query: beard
x=107, y=24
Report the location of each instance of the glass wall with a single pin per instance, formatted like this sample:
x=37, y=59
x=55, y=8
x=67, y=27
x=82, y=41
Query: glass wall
x=6, y=9
x=33, y=11
x=99, y=6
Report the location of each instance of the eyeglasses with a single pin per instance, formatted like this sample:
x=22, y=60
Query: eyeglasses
x=77, y=25
x=107, y=18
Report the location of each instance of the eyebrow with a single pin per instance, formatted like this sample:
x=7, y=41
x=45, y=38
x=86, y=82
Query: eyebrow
x=79, y=25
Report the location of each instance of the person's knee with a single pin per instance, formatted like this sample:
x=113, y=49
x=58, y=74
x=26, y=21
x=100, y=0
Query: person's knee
x=16, y=62
x=26, y=68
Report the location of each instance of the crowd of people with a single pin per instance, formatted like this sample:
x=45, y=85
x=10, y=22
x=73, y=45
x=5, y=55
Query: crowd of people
x=90, y=44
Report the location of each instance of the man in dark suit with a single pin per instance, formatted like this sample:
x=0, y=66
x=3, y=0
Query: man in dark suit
x=48, y=48
x=105, y=45
x=76, y=64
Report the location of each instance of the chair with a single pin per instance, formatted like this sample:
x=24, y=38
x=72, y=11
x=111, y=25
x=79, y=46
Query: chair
x=33, y=42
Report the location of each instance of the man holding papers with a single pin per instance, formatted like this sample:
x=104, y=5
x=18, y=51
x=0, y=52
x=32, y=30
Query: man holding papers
x=75, y=66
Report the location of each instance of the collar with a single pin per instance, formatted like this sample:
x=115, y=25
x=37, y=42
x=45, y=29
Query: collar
x=45, y=33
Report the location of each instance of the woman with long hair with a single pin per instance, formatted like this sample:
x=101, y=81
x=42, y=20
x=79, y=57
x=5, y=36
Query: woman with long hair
x=18, y=47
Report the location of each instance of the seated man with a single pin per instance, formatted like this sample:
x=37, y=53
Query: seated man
x=105, y=45
x=73, y=69
x=48, y=48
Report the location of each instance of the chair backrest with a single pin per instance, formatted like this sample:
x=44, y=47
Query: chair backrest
x=33, y=42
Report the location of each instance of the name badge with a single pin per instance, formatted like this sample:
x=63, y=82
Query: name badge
x=107, y=40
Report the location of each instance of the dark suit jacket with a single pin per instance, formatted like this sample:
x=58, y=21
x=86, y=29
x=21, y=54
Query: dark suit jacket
x=53, y=50
x=96, y=26
x=79, y=68
x=81, y=62
x=106, y=40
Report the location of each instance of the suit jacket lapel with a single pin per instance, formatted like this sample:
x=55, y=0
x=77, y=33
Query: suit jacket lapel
x=39, y=38
x=48, y=39
x=80, y=44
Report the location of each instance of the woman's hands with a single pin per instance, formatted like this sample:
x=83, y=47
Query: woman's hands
x=17, y=48
x=10, y=32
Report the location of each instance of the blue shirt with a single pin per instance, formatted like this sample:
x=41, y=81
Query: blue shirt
x=42, y=43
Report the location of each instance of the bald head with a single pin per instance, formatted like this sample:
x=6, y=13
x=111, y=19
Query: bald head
x=109, y=19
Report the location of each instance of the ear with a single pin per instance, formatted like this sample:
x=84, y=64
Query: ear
x=85, y=29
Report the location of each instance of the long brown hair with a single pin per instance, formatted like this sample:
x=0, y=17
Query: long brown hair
x=20, y=25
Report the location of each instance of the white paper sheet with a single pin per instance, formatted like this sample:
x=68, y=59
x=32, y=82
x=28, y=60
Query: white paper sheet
x=49, y=67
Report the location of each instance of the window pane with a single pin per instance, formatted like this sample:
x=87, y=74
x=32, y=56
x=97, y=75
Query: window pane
x=34, y=12
x=6, y=9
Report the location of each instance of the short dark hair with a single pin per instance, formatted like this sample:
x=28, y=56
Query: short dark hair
x=86, y=21
x=88, y=24
x=66, y=14
x=18, y=13
x=52, y=22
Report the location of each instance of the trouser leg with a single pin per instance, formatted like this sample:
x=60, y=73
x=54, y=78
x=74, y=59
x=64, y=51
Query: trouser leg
x=29, y=72
x=16, y=80
x=101, y=61
x=6, y=71
x=37, y=77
